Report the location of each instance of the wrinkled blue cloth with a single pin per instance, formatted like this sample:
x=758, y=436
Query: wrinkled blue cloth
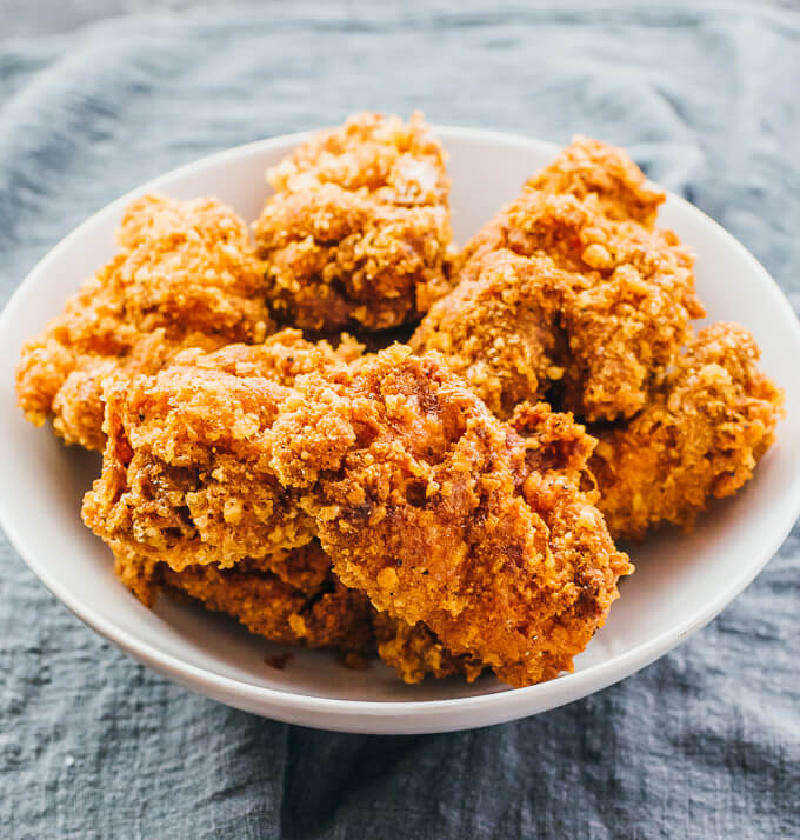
x=703, y=744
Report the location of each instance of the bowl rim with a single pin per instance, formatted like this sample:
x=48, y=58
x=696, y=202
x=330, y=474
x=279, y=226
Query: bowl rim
x=550, y=694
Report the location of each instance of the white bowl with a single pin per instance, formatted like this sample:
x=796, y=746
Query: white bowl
x=681, y=581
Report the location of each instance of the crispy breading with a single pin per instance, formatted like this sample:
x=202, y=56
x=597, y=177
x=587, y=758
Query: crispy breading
x=444, y=515
x=699, y=438
x=185, y=275
x=185, y=478
x=425, y=501
x=295, y=602
x=329, y=616
x=589, y=167
x=186, y=500
x=358, y=230
x=501, y=329
x=415, y=652
x=613, y=302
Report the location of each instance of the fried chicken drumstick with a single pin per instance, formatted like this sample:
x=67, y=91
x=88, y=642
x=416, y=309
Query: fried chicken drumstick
x=358, y=230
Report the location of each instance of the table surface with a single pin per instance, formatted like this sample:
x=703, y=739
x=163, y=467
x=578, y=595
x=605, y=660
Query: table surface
x=705, y=743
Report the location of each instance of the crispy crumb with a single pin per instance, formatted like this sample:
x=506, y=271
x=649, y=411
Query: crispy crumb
x=699, y=438
x=185, y=275
x=444, y=515
x=358, y=230
x=279, y=661
x=588, y=167
x=558, y=294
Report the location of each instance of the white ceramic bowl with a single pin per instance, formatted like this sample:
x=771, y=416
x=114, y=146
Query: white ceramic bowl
x=681, y=581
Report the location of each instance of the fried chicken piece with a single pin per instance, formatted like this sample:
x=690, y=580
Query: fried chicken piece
x=501, y=330
x=302, y=605
x=554, y=291
x=415, y=652
x=446, y=516
x=589, y=167
x=185, y=477
x=358, y=230
x=332, y=617
x=425, y=501
x=185, y=275
x=699, y=438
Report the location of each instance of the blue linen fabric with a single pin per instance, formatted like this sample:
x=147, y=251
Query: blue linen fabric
x=703, y=744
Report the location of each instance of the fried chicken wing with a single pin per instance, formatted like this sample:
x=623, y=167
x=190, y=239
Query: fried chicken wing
x=444, y=515
x=358, y=230
x=599, y=306
x=699, y=438
x=185, y=275
x=185, y=478
x=589, y=167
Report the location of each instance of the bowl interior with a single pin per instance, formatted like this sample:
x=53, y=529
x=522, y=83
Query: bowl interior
x=681, y=580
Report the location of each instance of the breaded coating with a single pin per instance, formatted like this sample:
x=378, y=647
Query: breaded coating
x=358, y=230
x=700, y=437
x=185, y=275
x=444, y=515
x=300, y=603
x=501, y=329
x=602, y=307
x=186, y=479
x=331, y=617
x=589, y=167
x=415, y=652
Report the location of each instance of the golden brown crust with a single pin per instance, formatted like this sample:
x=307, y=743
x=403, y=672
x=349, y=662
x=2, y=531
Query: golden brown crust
x=185, y=275
x=500, y=329
x=185, y=477
x=446, y=516
x=613, y=302
x=426, y=502
x=589, y=167
x=415, y=652
x=330, y=617
x=303, y=605
x=358, y=230
x=699, y=438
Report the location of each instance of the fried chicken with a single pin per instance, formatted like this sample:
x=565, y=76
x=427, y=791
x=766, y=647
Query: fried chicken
x=446, y=516
x=187, y=501
x=554, y=290
x=589, y=167
x=293, y=599
x=699, y=438
x=415, y=652
x=501, y=330
x=424, y=501
x=358, y=230
x=185, y=478
x=331, y=617
x=185, y=275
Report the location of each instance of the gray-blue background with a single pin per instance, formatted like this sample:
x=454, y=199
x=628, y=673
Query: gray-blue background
x=703, y=744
